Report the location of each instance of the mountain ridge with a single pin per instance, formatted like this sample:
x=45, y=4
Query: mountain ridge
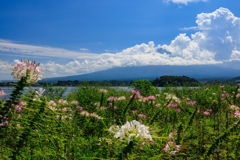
x=152, y=71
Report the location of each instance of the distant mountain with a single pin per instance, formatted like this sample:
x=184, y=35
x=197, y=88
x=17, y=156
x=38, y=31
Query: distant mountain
x=235, y=79
x=151, y=72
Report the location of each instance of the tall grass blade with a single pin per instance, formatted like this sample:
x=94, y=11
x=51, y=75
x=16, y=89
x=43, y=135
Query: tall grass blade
x=157, y=113
x=220, y=139
x=130, y=102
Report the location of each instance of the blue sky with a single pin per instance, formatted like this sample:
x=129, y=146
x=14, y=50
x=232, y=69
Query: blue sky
x=83, y=36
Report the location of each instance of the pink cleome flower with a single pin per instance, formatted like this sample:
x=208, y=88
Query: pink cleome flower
x=142, y=116
x=80, y=108
x=171, y=147
x=27, y=68
x=224, y=95
x=134, y=111
x=237, y=114
x=138, y=94
x=20, y=106
x=190, y=102
x=222, y=86
x=134, y=91
x=178, y=109
x=112, y=98
x=172, y=134
x=172, y=105
x=5, y=121
x=151, y=97
x=207, y=112
x=2, y=93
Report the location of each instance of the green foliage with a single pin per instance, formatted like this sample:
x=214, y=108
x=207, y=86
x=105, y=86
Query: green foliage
x=53, y=92
x=220, y=139
x=175, y=81
x=197, y=123
x=145, y=87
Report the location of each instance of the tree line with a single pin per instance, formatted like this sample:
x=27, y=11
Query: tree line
x=158, y=82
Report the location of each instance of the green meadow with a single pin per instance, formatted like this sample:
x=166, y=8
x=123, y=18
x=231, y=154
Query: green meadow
x=101, y=122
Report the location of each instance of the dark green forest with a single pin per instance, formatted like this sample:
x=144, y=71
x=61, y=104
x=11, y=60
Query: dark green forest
x=175, y=81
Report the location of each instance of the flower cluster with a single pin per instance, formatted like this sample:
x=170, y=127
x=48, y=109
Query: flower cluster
x=62, y=108
x=237, y=114
x=174, y=101
x=150, y=98
x=20, y=106
x=138, y=94
x=190, y=103
x=224, y=95
x=234, y=107
x=171, y=146
x=27, y=68
x=112, y=98
x=236, y=110
x=141, y=115
x=87, y=114
x=2, y=93
x=103, y=90
x=142, y=98
x=131, y=129
x=5, y=121
x=207, y=112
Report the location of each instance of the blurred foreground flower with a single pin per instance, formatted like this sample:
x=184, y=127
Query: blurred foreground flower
x=4, y=122
x=27, y=68
x=237, y=114
x=103, y=90
x=131, y=129
x=2, y=93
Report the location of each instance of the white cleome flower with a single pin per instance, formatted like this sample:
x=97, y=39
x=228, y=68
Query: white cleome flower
x=131, y=129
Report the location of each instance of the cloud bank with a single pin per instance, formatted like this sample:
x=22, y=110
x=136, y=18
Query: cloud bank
x=12, y=48
x=217, y=40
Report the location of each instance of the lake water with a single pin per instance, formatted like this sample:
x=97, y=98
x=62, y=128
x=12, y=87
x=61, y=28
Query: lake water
x=8, y=90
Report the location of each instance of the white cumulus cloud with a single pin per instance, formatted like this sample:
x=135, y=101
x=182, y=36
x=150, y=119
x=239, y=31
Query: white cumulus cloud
x=217, y=37
x=138, y=55
x=235, y=55
x=219, y=32
x=184, y=47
